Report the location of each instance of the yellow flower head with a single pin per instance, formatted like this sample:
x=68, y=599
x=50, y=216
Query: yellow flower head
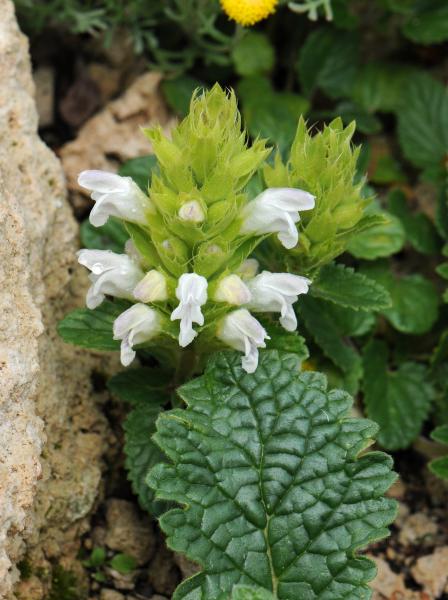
x=248, y=12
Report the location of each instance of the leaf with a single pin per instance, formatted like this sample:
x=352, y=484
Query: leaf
x=123, y=563
x=141, y=452
x=321, y=325
x=275, y=492
x=178, y=92
x=329, y=61
x=139, y=385
x=270, y=114
x=350, y=111
x=380, y=240
x=140, y=169
x=439, y=466
x=423, y=122
x=419, y=230
x=429, y=27
x=342, y=285
x=399, y=401
x=253, y=54
x=415, y=300
x=111, y=236
x=286, y=341
x=97, y=558
x=245, y=592
x=93, y=328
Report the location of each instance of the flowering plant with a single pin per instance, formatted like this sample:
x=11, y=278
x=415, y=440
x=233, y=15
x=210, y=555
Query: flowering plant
x=264, y=459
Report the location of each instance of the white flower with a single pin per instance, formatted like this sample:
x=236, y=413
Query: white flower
x=240, y=330
x=276, y=210
x=137, y=325
x=233, y=290
x=115, y=196
x=277, y=292
x=152, y=288
x=248, y=268
x=191, y=212
x=191, y=291
x=113, y=274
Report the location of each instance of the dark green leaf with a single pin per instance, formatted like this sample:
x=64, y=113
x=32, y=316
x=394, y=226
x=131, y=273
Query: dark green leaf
x=253, y=54
x=423, y=121
x=96, y=559
x=93, y=328
x=329, y=61
x=415, y=300
x=140, y=169
x=178, y=92
x=275, y=492
x=141, y=452
x=387, y=170
x=440, y=434
x=439, y=466
x=365, y=122
x=419, y=230
x=139, y=385
x=320, y=323
x=399, y=401
x=111, y=236
x=244, y=592
x=429, y=27
x=123, y=563
x=342, y=285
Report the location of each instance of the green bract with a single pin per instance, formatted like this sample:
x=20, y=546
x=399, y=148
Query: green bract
x=275, y=492
x=325, y=165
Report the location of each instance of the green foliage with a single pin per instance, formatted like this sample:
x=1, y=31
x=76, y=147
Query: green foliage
x=343, y=286
x=275, y=492
x=415, y=300
x=245, y=592
x=137, y=386
x=423, y=124
x=64, y=585
x=328, y=61
x=398, y=400
x=123, y=563
x=325, y=165
x=140, y=169
x=96, y=559
x=92, y=328
x=253, y=54
x=178, y=92
x=383, y=239
x=439, y=466
x=111, y=236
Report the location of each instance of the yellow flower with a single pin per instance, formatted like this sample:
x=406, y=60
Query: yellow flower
x=248, y=12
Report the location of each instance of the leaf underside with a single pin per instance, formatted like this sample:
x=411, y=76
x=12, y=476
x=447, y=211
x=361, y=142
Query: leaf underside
x=274, y=493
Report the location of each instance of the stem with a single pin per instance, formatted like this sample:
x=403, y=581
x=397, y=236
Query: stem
x=186, y=367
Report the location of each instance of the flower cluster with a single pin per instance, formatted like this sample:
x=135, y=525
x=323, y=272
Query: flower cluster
x=186, y=267
x=249, y=12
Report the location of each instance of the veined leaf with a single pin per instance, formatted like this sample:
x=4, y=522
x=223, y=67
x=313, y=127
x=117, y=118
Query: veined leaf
x=93, y=328
x=399, y=401
x=428, y=27
x=245, y=592
x=439, y=466
x=342, y=285
x=141, y=452
x=139, y=385
x=379, y=241
x=111, y=236
x=275, y=492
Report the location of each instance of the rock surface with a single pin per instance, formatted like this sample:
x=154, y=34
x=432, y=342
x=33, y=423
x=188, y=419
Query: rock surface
x=52, y=433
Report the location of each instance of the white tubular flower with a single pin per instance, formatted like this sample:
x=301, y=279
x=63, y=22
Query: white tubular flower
x=276, y=210
x=191, y=212
x=191, y=291
x=233, y=290
x=248, y=269
x=137, y=325
x=240, y=330
x=115, y=196
x=152, y=288
x=113, y=274
x=277, y=292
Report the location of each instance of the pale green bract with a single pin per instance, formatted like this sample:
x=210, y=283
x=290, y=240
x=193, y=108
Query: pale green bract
x=274, y=490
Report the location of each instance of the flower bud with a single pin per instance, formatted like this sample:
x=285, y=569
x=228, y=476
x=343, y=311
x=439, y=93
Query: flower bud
x=191, y=212
x=134, y=326
x=232, y=290
x=248, y=269
x=152, y=288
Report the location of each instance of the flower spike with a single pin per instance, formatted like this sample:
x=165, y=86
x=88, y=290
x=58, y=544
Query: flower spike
x=276, y=210
x=134, y=326
x=192, y=294
x=115, y=196
x=112, y=274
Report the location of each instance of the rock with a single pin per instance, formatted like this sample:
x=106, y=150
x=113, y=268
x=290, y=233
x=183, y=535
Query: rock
x=52, y=432
x=113, y=135
x=386, y=584
x=431, y=572
x=162, y=573
x=44, y=83
x=128, y=532
x=111, y=595
x=415, y=528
